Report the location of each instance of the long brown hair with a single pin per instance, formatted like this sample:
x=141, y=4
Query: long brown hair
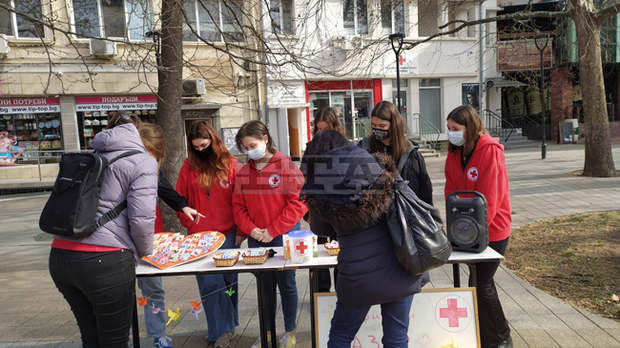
x=388, y=112
x=255, y=129
x=329, y=116
x=467, y=116
x=152, y=136
x=217, y=166
x=118, y=118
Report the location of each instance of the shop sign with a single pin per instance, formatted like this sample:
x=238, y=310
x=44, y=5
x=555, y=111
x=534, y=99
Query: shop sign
x=518, y=55
x=108, y=103
x=406, y=62
x=29, y=105
x=286, y=93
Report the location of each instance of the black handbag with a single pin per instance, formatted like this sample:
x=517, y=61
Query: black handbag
x=417, y=232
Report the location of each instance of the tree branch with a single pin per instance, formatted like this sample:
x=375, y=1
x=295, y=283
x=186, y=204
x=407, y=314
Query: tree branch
x=604, y=14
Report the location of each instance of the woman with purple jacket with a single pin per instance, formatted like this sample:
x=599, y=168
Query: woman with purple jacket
x=96, y=274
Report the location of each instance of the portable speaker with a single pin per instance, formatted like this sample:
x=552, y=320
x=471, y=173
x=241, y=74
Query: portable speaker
x=467, y=220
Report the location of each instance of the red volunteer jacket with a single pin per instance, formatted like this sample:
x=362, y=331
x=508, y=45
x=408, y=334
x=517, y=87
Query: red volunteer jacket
x=216, y=205
x=486, y=173
x=269, y=198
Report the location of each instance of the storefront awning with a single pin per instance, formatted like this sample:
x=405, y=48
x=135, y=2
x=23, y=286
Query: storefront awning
x=500, y=82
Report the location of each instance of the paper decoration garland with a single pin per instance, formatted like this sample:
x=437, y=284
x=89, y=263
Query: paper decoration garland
x=174, y=316
x=154, y=309
x=143, y=300
x=229, y=292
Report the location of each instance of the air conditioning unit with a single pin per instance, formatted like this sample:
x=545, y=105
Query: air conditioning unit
x=4, y=46
x=194, y=87
x=102, y=48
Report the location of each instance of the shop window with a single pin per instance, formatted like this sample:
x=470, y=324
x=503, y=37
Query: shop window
x=355, y=16
x=281, y=13
x=28, y=138
x=393, y=16
x=427, y=17
x=214, y=20
x=12, y=24
x=92, y=122
x=113, y=18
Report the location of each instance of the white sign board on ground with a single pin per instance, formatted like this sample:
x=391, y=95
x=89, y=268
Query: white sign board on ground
x=439, y=318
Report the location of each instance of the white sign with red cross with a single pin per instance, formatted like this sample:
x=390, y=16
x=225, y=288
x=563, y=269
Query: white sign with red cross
x=302, y=248
x=438, y=318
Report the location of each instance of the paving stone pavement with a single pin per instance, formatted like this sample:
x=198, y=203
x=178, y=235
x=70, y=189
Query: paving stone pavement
x=36, y=315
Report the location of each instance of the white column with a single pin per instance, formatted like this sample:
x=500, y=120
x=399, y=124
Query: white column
x=68, y=119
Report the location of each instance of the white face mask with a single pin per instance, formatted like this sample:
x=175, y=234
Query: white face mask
x=258, y=152
x=456, y=138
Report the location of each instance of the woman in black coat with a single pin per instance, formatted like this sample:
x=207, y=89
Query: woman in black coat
x=388, y=136
x=348, y=193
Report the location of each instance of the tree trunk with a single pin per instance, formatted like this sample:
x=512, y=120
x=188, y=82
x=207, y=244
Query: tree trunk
x=170, y=75
x=599, y=161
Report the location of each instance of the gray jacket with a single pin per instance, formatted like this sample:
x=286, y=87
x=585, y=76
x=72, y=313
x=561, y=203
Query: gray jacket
x=133, y=178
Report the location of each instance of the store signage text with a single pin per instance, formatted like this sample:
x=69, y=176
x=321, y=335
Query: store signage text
x=29, y=105
x=109, y=103
x=286, y=93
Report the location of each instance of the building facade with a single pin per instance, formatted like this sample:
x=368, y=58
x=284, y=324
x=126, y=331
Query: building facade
x=58, y=86
x=344, y=59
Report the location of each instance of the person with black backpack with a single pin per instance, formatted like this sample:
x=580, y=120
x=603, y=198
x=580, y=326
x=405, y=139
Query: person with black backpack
x=102, y=211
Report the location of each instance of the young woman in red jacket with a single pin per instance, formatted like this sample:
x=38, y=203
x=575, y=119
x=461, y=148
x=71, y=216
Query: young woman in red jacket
x=476, y=162
x=266, y=206
x=207, y=180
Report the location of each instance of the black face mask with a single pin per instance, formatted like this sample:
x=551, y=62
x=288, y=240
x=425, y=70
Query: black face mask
x=205, y=153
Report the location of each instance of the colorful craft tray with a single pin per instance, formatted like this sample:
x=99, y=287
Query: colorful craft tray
x=172, y=249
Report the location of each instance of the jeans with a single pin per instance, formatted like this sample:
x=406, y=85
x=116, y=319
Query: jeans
x=394, y=319
x=100, y=289
x=286, y=283
x=153, y=289
x=493, y=325
x=221, y=310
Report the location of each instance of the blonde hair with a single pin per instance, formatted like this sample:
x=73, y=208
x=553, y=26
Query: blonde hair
x=152, y=136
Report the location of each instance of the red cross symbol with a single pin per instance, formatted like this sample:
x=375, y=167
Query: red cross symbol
x=453, y=313
x=301, y=247
x=474, y=173
x=274, y=180
x=401, y=60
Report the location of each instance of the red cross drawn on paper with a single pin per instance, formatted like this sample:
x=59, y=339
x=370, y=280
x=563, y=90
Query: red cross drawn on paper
x=401, y=60
x=301, y=247
x=453, y=313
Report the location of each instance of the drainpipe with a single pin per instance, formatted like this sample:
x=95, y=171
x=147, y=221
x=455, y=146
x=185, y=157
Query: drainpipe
x=265, y=78
x=481, y=89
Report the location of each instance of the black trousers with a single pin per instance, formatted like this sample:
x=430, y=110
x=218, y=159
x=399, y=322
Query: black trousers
x=493, y=325
x=100, y=289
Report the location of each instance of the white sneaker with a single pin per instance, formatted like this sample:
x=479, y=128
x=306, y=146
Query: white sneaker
x=288, y=340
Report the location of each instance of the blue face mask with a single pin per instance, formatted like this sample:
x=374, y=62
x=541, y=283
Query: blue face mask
x=381, y=134
x=456, y=138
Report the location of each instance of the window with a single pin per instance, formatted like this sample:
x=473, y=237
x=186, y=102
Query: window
x=427, y=17
x=112, y=18
x=430, y=106
x=281, y=12
x=392, y=16
x=355, y=16
x=15, y=25
x=213, y=20
x=471, y=16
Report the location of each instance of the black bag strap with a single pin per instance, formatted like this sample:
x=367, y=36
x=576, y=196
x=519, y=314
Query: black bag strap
x=111, y=214
x=118, y=209
x=124, y=154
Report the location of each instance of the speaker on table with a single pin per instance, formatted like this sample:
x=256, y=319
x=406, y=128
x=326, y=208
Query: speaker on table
x=467, y=221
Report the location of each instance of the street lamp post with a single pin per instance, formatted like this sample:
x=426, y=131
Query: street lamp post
x=156, y=37
x=397, y=45
x=541, y=48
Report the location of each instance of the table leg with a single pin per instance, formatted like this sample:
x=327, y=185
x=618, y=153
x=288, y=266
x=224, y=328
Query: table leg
x=456, y=275
x=473, y=279
x=314, y=287
x=261, y=307
x=135, y=330
x=272, y=302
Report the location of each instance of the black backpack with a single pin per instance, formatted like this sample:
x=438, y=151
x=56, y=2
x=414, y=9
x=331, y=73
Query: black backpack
x=72, y=207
